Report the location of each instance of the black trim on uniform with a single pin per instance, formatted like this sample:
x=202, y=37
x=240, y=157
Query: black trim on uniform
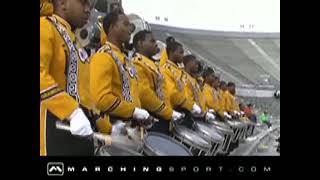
x=113, y=106
x=162, y=106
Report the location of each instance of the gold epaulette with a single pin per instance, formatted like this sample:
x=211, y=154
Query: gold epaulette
x=105, y=49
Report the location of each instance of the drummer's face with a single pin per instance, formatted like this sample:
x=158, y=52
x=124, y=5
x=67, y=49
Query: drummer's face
x=223, y=87
x=211, y=79
x=150, y=45
x=232, y=90
x=216, y=83
x=195, y=66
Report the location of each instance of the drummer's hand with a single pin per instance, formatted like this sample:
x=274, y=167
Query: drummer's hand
x=210, y=116
x=211, y=111
x=228, y=116
x=148, y=123
x=79, y=124
x=237, y=113
x=176, y=115
x=196, y=110
x=140, y=114
x=142, y=117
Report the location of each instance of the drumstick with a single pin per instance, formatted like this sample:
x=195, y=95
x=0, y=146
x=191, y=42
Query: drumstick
x=141, y=133
x=142, y=129
x=101, y=137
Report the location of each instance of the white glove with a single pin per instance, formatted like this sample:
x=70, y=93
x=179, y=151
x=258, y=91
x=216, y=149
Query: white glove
x=236, y=112
x=210, y=116
x=79, y=123
x=196, y=110
x=227, y=115
x=241, y=112
x=140, y=114
x=211, y=111
x=176, y=115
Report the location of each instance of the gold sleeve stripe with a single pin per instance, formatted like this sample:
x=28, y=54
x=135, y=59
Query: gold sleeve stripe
x=48, y=89
x=50, y=93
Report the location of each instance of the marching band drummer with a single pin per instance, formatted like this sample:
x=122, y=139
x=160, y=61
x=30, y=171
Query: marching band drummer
x=209, y=92
x=216, y=95
x=174, y=90
x=223, y=101
x=151, y=81
x=113, y=78
x=64, y=70
x=232, y=105
x=193, y=89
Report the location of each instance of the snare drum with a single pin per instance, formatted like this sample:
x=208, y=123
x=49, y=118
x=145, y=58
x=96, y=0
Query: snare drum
x=224, y=130
x=238, y=129
x=121, y=146
x=157, y=144
x=210, y=134
x=196, y=144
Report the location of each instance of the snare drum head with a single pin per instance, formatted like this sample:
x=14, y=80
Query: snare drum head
x=221, y=126
x=208, y=131
x=192, y=136
x=163, y=145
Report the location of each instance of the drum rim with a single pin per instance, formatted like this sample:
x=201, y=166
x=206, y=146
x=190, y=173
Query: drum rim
x=222, y=127
x=147, y=146
x=135, y=153
x=190, y=142
x=218, y=123
x=233, y=124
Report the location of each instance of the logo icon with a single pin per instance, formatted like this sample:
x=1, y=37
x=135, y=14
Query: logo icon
x=55, y=169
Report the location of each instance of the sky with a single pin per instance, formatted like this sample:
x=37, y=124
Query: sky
x=220, y=15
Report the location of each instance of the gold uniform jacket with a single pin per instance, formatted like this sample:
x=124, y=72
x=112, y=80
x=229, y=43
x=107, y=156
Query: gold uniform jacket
x=232, y=104
x=223, y=102
x=107, y=83
x=175, y=94
x=151, y=83
x=193, y=91
x=54, y=63
x=211, y=97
